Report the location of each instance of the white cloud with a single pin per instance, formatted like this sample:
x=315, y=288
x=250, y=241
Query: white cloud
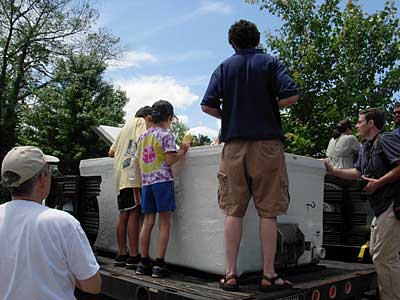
x=215, y=7
x=189, y=56
x=132, y=59
x=183, y=119
x=146, y=90
x=212, y=133
x=201, y=80
x=207, y=7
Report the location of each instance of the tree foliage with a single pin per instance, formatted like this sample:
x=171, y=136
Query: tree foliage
x=179, y=130
x=200, y=140
x=60, y=120
x=342, y=59
x=33, y=35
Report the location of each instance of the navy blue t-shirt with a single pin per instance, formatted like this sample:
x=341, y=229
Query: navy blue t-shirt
x=376, y=158
x=249, y=85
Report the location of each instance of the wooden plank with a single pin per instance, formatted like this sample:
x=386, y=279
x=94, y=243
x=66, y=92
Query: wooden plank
x=175, y=282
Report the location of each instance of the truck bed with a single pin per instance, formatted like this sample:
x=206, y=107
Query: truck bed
x=122, y=284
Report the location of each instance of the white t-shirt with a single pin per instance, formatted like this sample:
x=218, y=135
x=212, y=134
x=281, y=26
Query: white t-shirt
x=341, y=152
x=42, y=251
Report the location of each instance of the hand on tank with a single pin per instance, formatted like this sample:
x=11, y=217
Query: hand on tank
x=328, y=166
x=185, y=147
x=372, y=185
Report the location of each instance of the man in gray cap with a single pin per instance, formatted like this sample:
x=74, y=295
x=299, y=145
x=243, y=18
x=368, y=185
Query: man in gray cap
x=44, y=252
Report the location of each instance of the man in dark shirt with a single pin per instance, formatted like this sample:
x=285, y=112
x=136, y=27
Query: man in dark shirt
x=396, y=111
x=246, y=92
x=378, y=166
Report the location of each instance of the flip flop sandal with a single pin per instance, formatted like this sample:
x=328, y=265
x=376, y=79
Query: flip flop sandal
x=223, y=284
x=273, y=285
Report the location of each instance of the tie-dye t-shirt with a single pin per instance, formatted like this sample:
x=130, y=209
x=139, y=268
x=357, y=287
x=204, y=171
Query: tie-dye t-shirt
x=152, y=146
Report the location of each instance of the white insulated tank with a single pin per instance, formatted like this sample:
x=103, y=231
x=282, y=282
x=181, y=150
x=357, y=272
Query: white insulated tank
x=197, y=225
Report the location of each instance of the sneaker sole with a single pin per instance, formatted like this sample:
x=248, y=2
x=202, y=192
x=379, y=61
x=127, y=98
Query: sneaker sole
x=143, y=273
x=158, y=276
x=131, y=267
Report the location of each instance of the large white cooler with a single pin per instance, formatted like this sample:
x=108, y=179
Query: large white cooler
x=197, y=225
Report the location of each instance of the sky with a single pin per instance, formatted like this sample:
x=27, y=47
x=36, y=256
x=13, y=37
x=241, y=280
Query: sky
x=171, y=47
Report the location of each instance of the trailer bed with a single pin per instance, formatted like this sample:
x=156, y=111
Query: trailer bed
x=122, y=284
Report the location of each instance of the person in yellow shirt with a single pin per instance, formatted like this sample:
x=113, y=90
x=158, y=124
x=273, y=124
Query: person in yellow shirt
x=128, y=183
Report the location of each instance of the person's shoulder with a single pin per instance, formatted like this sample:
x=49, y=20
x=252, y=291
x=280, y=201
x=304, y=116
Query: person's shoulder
x=228, y=60
x=131, y=124
x=140, y=121
x=349, y=137
x=148, y=131
x=165, y=132
x=389, y=138
x=57, y=217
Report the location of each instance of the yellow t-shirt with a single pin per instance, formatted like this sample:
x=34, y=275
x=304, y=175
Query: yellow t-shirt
x=126, y=166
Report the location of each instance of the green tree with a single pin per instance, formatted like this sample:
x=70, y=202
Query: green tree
x=200, y=140
x=178, y=130
x=62, y=115
x=343, y=60
x=33, y=34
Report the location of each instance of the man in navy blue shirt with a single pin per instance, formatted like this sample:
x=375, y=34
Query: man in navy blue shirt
x=396, y=111
x=246, y=92
x=378, y=166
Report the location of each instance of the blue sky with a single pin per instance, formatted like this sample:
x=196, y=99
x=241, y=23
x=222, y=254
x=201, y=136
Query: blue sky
x=172, y=47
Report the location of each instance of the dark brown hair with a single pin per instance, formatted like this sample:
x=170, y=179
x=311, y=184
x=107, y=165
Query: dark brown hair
x=244, y=35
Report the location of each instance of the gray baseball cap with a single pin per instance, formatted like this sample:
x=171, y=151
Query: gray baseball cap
x=26, y=162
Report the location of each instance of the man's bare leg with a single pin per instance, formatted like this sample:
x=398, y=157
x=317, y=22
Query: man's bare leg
x=268, y=235
x=233, y=236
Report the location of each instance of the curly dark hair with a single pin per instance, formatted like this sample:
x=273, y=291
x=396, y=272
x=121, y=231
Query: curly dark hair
x=244, y=35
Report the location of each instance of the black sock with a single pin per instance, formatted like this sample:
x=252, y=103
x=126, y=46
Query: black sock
x=145, y=260
x=160, y=262
x=137, y=256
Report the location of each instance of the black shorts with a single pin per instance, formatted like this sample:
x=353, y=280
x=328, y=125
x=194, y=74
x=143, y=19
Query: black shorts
x=128, y=198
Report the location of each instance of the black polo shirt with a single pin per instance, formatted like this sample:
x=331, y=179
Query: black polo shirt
x=249, y=85
x=376, y=158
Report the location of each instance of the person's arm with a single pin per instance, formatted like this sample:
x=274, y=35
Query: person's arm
x=215, y=112
x=81, y=260
x=111, y=152
x=389, y=177
x=173, y=157
x=211, y=103
x=355, y=144
x=342, y=173
x=91, y=285
x=283, y=103
x=284, y=87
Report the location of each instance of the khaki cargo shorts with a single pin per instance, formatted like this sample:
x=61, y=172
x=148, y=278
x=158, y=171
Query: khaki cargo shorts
x=253, y=168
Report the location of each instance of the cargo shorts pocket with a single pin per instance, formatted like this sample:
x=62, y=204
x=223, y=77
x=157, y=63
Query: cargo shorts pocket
x=222, y=189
